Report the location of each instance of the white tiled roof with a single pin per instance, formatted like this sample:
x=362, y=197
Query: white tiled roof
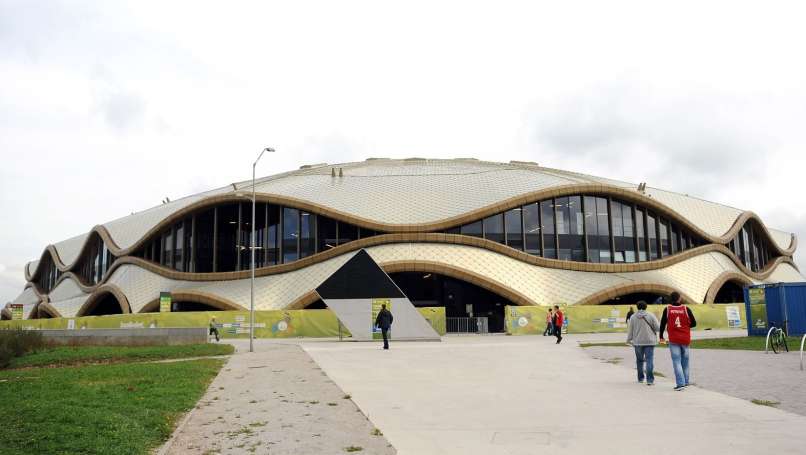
x=69, y=307
x=412, y=192
x=66, y=289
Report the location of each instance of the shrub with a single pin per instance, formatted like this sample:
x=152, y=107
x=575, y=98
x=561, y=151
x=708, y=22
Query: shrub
x=16, y=343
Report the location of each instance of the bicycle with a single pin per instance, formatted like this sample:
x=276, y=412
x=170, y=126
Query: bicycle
x=777, y=338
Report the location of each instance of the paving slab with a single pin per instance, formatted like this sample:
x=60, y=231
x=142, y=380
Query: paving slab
x=527, y=395
x=275, y=401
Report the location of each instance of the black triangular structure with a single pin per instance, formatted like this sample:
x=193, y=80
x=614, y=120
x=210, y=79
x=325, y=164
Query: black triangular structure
x=359, y=278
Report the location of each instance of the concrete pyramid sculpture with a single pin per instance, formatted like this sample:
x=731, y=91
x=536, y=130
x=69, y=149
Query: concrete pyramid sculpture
x=361, y=284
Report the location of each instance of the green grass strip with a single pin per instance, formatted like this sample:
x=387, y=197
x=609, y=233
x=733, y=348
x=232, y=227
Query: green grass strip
x=68, y=355
x=100, y=409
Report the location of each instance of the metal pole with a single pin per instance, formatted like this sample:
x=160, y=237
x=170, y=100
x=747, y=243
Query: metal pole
x=252, y=258
x=252, y=267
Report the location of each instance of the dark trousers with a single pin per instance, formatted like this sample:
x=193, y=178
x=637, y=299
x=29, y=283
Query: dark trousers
x=549, y=329
x=385, y=333
x=214, y=331
x=558, y=332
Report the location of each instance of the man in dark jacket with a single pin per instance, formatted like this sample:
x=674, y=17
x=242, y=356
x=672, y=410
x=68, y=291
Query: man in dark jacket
x=384, y=321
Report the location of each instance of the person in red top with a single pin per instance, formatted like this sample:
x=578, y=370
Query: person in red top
x=558, y=323
x=680, y=321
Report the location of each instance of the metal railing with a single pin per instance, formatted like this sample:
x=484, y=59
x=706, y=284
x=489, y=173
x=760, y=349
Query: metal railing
x=467, y=325
x=802, y=340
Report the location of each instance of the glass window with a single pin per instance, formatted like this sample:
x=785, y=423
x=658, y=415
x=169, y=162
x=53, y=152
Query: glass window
x=570, y=228
x=204, y=241
x=494, y=228
x=598, y=229
x=472, y=229
x=227, y=245
x=512, y=219
x=307, y=240
x=663, y=227
x=623, y=232
x=168, y=248
x=189, y=246
x=260, y=235
x=272, y=234
x=745, y=247
x=364, y=233
x=547, y=223
x=290, y=234
x=531, y=222
x=244, y=235
x=179, y=263
x=652, y=235
x=327, y=234
x=675, y=239
x=640, y=233
x=347, y=233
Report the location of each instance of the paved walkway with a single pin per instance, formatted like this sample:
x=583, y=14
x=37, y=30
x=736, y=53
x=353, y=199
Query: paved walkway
x=744, y=374
x=274, y=401
x=526, y=395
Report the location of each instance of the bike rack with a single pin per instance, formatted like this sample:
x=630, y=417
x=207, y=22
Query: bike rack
x=802, y=340
x=767, y=342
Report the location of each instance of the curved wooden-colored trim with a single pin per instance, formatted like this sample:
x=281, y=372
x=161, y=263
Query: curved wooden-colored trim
x=610, y=293
x=460, y=274
x=454, y=239
x=720, y=281
x=189, y=295
x=302, y=302
x=45, y=307
x=94, y=298
x=517, y=201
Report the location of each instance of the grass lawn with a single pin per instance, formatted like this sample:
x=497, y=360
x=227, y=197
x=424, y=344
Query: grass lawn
x=739, y=343
x=66, y=355
x=118, y=408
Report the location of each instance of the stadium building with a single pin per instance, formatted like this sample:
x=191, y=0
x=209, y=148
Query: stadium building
x=469, y=235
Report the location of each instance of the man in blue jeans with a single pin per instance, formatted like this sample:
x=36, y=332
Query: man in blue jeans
x=642, y=330
x=680, y=321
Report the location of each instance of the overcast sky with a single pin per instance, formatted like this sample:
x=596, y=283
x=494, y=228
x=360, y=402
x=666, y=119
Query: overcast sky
x=107, y=108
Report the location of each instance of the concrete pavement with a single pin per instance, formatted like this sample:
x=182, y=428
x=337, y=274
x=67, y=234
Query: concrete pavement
x=526, y=395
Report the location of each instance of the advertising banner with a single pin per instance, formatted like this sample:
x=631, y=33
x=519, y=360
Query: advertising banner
x=165, y=302
x=231, y=324
x=531, y=320
x=16, y=311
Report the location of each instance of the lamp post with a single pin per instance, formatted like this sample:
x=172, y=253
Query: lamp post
x=252, y=257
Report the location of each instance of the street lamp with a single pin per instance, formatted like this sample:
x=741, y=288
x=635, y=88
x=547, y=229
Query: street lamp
x=252, y=254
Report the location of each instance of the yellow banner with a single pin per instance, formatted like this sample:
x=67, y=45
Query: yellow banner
x=230, y=324
x=531, y=320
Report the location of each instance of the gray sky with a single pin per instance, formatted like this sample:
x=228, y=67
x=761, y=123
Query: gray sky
x=107, y=108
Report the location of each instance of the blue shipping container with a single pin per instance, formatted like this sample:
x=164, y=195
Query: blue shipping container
x=779, y=305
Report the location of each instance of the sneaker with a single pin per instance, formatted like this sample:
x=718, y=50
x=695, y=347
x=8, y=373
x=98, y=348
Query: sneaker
x=679, y=388
x=640, y=381
x=650, y=383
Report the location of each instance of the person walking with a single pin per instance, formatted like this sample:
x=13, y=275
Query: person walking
x=558, y=323
x=213, y=329
x=384, y=321
x=630, y=313
x=680, y=321
x=549, y=324
x=642, y=330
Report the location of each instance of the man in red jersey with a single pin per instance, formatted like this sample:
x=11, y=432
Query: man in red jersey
x=558, y=323
x=680, y=321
